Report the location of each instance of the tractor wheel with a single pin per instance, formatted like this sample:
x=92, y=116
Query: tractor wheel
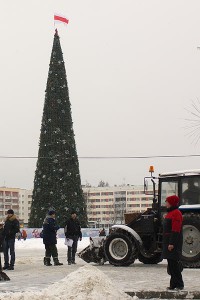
x=154, y=259
x=120, y=249
x=191, y=240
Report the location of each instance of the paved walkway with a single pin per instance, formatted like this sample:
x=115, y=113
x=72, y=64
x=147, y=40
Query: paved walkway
x=145, y=281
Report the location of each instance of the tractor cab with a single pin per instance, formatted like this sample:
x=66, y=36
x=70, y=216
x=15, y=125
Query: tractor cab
x=185, y=184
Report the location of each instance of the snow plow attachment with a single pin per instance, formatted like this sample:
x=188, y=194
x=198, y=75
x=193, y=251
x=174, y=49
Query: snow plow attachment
x=94, y=252
x=3, y=275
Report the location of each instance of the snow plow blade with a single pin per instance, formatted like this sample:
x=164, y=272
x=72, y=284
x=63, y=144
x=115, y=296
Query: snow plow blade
x=94, y=252
x=4, y=276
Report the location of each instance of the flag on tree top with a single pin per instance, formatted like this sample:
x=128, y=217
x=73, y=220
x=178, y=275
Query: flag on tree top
x=60, y=19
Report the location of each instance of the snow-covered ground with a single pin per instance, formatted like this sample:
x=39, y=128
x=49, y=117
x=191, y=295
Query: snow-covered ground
x=32, y=280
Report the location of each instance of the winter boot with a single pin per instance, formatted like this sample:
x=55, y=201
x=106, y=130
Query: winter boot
x=56, y=262
x=47, y=261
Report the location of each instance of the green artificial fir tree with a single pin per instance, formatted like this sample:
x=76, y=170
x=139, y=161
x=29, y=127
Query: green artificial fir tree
x=57, y=182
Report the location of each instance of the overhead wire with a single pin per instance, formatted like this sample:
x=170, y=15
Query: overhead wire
x=105, y=157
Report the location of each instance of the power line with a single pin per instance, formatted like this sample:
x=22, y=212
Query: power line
x=105, y=157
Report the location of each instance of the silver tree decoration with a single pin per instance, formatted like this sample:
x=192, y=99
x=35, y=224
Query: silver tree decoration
x=193, y=127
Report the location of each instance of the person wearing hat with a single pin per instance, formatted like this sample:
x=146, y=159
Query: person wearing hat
x=1, y=236
x=172, y=242
x=72, y=232
x=50, y=229
x=11, y=227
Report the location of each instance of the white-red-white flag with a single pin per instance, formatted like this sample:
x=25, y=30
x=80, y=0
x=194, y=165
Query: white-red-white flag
x=60, y=19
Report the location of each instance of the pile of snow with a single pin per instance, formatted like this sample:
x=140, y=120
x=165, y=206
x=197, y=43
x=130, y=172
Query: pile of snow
x=34, y=243
x=86, y=283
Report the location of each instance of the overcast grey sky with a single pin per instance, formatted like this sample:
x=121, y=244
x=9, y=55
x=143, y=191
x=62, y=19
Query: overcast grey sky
x=132, y=67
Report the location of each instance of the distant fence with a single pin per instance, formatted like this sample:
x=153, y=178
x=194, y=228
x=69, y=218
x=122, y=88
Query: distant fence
x=35, y=232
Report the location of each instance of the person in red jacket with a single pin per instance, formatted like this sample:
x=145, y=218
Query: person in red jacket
x=172, y=242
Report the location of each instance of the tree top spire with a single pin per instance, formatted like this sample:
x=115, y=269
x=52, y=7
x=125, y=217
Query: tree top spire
x=56, y=31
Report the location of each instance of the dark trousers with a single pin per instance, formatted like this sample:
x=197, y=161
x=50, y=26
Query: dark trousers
x=51, y=250
x=72, y=250
x=175, y=272
x=9, y=245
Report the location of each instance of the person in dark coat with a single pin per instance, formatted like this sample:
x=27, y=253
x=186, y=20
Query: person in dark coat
x=72, y=232
x=192, y=194
x=172, y=241
x=1, y=242
x=1, y=236
x=50, y=229
x=11, y=227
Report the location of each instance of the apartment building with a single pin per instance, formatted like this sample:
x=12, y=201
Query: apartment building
x=25, y=200
x=9, y=199
x=17, y=199
x=106, y=205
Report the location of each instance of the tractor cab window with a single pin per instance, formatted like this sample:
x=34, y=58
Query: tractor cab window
x=168, y=188
x=190, y=191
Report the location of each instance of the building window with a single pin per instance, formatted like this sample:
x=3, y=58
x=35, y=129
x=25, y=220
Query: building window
x=8, y=194
x=106, y=193
x=94, y=194
x=7, y=207
x=15, y=194
x=120, y=192
x=7, y=200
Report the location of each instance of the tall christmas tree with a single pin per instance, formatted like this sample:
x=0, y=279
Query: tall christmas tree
x=57, y=181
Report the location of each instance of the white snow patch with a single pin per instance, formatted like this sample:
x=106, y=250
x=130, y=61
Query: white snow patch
x=86, y=283
x=34, y=243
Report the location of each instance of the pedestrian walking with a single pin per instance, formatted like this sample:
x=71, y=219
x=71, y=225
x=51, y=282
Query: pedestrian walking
x=172, y=242
x=50, y=229
x=11, y=228
x=73, y=234
x=24, y=234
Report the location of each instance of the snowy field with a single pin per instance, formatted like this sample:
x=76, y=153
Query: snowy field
x=32, y=280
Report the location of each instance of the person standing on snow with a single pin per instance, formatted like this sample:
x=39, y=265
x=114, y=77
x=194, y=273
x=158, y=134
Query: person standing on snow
x=11, y=227
x=24, y=234
x=172, y=242
x=1, y=237
x=72, y=232
x=50, y=229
